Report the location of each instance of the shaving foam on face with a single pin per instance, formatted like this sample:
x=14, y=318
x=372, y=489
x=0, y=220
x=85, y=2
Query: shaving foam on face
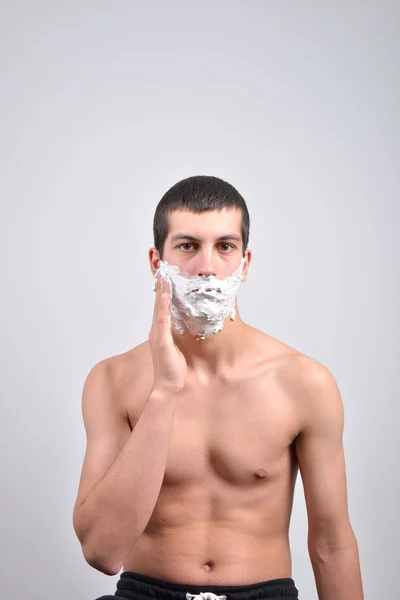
x=200, y=304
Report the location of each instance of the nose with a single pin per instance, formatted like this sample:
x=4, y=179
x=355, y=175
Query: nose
x=205, y=266
x=206, y=271
x=205, y=261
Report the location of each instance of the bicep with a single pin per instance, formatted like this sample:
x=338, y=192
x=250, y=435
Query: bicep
x=321, y=459
x=107, y=428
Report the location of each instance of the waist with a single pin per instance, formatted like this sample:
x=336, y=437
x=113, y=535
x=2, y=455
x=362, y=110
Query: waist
x=216, y=557
x=135, y=585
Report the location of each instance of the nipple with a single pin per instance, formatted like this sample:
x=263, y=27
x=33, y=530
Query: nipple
x=260, y=474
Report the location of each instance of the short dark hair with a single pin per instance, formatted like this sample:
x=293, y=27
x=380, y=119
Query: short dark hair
x=199, y=193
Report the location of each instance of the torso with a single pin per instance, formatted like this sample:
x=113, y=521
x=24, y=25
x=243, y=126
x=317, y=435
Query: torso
x=223, y=513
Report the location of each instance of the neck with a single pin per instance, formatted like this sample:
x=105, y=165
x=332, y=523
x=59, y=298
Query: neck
x=212, y=354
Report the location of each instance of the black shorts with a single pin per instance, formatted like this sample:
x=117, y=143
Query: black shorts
x=134, y=586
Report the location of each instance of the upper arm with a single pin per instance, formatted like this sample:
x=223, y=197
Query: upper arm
x=320, y=454
x=107, y=429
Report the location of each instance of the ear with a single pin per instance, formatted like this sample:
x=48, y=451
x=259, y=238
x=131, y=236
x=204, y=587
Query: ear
x=154, y=258
x=248, y=255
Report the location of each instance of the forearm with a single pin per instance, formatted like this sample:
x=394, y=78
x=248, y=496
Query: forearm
x=337, y=573
x=117, y=510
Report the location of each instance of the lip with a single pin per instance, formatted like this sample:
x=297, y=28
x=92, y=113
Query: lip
x=206, y=290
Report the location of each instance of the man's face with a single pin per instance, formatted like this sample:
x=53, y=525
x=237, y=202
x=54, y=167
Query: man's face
x=207, y=243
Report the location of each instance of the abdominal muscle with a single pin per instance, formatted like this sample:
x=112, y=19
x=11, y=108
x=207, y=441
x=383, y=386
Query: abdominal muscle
x=181, y=545
x=187, y=556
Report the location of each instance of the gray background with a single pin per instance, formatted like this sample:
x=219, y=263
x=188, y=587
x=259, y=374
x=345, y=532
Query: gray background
x=104, y=106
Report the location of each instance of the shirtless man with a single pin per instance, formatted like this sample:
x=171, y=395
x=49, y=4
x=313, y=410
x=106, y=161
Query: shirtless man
x=194, y=446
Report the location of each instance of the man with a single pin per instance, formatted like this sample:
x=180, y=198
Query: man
x=195, y=437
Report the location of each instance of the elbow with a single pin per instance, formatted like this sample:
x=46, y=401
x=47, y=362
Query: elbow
x=99, y=562
x=101, y=565
x=323, y=547
x=93, y=552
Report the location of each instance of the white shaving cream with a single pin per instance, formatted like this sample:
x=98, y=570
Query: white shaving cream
x=200, y=304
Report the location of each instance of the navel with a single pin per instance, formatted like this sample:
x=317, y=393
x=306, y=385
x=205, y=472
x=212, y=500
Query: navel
x=208, y=565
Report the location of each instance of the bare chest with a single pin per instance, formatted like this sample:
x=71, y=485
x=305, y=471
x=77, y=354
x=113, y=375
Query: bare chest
x=238, y=433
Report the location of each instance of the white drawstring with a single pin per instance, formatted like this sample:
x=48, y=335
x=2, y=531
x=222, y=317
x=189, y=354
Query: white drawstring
x=205, y=596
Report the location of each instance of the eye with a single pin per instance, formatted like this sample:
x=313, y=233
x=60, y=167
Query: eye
x=225, y=246
x=229, y=246
x=184, y=244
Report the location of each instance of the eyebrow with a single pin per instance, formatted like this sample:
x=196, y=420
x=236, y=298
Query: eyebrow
x=185, y=236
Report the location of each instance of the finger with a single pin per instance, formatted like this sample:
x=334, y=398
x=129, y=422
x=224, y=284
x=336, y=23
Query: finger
x=164, y=304
x=164, y=311
x=157, y=300
x=165, y=288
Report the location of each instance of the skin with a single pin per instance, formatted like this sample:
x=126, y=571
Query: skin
x=253, y=413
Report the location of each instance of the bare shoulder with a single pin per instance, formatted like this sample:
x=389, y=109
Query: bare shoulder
x=269, y=350
x=130, y=365
x=121, y=372
x=309, y=376
x=295, y=365
x=309, y=384
x=315, y=394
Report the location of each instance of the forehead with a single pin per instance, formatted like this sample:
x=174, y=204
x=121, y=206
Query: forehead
x=214, y=222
